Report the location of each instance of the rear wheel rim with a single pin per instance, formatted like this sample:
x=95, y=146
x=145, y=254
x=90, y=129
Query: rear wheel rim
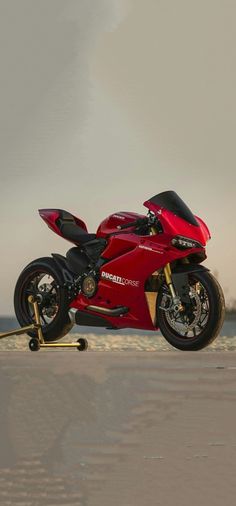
x=44, y=287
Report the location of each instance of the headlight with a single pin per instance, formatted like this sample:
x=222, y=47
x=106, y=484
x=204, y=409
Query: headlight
x=181, y=242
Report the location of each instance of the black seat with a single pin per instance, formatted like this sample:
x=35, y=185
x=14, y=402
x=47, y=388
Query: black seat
x=71, y=230
x=75, y=233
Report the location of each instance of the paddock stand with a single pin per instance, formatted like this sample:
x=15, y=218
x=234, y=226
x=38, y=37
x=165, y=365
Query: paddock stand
x=36, y=343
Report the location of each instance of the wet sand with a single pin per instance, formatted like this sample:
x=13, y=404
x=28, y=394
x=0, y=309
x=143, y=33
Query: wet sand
x=117, y=428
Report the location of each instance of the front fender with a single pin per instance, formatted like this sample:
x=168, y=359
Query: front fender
x=180, y=279
x=188, y=268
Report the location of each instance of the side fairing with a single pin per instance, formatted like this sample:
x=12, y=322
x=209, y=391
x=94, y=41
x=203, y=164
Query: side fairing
x=119, y=245
x=122, y=281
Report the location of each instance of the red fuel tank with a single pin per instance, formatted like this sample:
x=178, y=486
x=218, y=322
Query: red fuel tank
x=110, y=224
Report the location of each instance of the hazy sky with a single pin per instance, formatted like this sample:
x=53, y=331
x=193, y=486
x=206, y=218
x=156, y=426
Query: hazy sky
x=105, y=103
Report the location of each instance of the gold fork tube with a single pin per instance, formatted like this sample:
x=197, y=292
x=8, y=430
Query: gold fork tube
x=167, y=272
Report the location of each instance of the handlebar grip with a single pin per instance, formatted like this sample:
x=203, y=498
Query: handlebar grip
x=137, y=223
x=127, y=225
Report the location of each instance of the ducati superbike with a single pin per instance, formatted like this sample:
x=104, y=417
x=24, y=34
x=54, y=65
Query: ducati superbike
x=137, y=271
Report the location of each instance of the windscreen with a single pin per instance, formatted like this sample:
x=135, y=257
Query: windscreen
x=172, y=202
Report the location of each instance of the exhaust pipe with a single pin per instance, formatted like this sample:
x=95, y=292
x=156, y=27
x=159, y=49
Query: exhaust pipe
x=117, y=311
x=78, y=317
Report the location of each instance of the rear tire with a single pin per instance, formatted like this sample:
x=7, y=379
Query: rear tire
x=213, y=324
x=55, y=299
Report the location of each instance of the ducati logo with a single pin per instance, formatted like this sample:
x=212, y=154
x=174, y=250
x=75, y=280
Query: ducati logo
x=119, y=216
x=119, y=280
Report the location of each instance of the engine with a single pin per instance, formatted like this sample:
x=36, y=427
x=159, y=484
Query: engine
x=89, y=284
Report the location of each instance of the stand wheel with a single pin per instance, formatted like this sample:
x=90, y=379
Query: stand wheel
x=83, y=344
x=34, y=344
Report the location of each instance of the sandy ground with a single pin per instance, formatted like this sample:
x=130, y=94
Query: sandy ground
x=122, y=429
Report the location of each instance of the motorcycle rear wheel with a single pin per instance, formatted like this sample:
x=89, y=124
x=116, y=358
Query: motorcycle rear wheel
x=42, y=279
x=208, y=310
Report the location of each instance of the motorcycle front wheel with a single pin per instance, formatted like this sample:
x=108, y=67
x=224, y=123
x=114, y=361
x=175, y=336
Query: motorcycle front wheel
x=200, y=321
x=42, y=279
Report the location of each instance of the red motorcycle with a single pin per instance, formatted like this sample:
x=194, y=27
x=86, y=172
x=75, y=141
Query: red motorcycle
x=140, y=272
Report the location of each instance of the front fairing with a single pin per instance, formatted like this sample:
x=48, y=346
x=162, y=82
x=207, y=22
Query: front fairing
x=173, y=226
x=176, y=218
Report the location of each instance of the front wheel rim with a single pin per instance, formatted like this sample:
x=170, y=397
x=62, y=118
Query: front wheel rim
x=190, y=330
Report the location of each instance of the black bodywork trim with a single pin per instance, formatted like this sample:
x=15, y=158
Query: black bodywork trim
x=94, y=248
x=87, y=319
x=77, y=261
x=62, y=265
x=101, y=261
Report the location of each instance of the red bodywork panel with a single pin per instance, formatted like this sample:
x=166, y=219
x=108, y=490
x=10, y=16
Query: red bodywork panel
x=131, y=259
x=133, y=267
x=110, y=224
x=51, y=216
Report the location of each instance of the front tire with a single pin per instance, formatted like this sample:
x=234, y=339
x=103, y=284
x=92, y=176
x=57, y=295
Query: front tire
x=42, y=279
x=210, y=301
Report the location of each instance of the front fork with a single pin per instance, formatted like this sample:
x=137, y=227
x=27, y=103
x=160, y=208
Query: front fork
x=176, y=302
